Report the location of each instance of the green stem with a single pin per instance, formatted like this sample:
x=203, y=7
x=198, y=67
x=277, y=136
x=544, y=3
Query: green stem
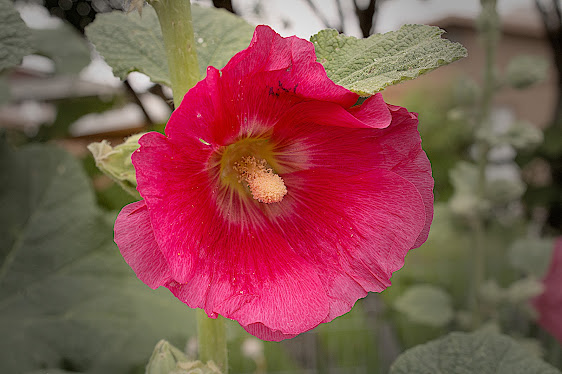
x=179, y=41
x=177, y=30
x=489, y=31
x=212, y=340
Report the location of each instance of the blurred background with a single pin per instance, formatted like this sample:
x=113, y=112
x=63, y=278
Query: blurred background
x=65, y=94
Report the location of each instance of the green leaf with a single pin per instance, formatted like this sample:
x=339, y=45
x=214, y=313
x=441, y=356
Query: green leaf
x=531, y=255
x=131, y=43
x=5, y=91
x=69, y=110
x=522, y=290
x=52, y=371
x=465, y=201
x=15, y=36
x=519, y=134
x=219, y=35
x=426, y=304
x=492, y=293
x=65, y=46
x=470, y=353
x=366, y=66
x=66, y=295
x=526, y=70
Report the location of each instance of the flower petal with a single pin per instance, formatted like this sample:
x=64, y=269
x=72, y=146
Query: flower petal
x=259, y=330
x=135, y=239
x=409, y=161
x=171, y=180
x=271, y=285
x=253, y=90
x=294, y=265
x=318, y=142
x=269, y=52
x=353, y=230
x=549, y=303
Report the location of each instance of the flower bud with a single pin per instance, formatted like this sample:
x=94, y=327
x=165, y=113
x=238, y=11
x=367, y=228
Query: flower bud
x=164, y=359
x=167, y=359
x=116, y=161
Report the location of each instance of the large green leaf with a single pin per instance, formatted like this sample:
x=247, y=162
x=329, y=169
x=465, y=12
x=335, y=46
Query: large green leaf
x=67, y=299
x=65, y=46
x=15, y=36
x=532, y=255
x=129, y=42
x=470, y=353
x=5, y=94
x=426, y=304
x=219, y=35
x=367, y=66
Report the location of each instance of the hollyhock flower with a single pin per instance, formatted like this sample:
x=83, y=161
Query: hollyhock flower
x=272, y=199
x=549, y=303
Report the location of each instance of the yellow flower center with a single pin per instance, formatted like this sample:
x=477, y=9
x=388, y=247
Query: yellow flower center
x=265, y=186
x=250, y=167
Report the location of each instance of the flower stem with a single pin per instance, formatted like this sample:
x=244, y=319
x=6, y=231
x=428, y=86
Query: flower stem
x=489, y=24
x=179, y=41
x=177, y=30
x=212, y=340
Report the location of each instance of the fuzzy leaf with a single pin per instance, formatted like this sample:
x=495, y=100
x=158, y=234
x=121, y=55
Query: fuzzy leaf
x=131, y=43
x=522, y=290
x=15, y=36
x=531, y=255
x=5, y=94
x=219, y=35
x=526, y=70
x=65, y=46
x=470, y=353
x=367, y=66
x=66, y=295
x=426, y=304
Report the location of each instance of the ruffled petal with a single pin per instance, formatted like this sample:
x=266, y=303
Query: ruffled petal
x=313, y=138
x=374, y=112
x=253, y=90
x=355, y=230
x=290, y=265
x=135, y=239
x=259, y=330
x=409, y=161
x=269, y=52
x=170, y=180
x=272, y=286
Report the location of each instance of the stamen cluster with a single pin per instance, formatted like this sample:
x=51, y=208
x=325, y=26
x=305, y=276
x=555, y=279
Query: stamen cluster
x=265, y=186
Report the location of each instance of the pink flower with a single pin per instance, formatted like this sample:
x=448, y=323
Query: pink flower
x=272, y=200
x=549, y=303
